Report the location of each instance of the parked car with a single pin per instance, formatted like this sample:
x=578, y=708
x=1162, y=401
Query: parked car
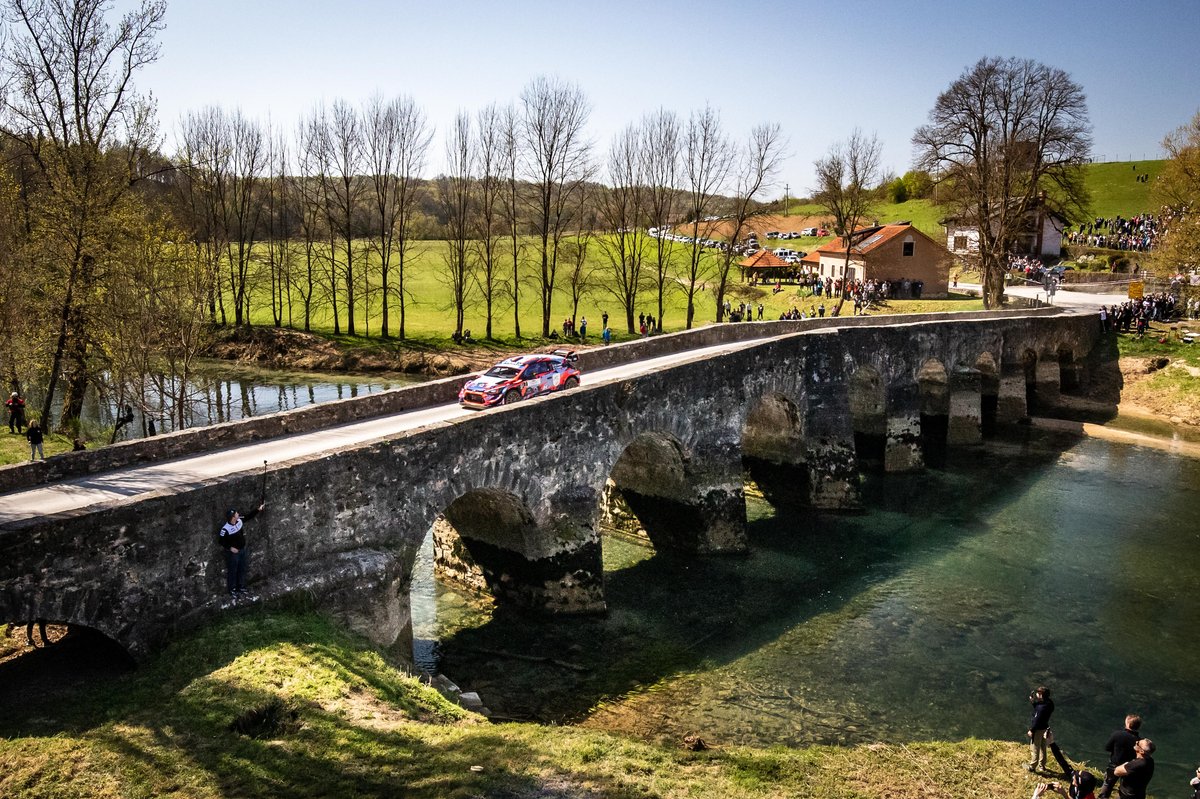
x=808, y=231
x=822, y=232
x=521, y=377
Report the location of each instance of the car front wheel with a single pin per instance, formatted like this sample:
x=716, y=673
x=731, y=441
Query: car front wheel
x=511, y=396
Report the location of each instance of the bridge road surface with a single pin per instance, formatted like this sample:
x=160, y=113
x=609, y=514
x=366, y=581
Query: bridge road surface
x=129, y=483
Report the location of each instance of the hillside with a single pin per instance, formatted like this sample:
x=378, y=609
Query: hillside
x=1117, y=191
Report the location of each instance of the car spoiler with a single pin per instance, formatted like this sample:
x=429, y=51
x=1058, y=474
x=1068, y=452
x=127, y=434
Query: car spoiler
x=568, y=354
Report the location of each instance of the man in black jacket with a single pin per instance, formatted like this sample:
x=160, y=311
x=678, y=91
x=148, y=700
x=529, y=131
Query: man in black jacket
x=1135, y=775
x=237, y=557
x=1120, y=750
x=1043, y=706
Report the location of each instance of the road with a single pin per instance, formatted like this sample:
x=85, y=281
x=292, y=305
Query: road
x=130, y=483
x=1082, y=300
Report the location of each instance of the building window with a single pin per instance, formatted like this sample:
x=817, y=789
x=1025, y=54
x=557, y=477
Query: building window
x=908, y=248
x=960, y=242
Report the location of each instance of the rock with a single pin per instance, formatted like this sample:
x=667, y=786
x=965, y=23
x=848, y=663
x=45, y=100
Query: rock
x=694, y=743
x=470, y=700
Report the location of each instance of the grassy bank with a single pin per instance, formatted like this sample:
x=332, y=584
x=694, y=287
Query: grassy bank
x=350, y=724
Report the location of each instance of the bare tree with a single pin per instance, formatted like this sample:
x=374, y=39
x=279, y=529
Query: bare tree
x=318, y=149
x=510, y=202
x=623, y=212
x=395, y=139
x=848, y=188
x=660, y=157
x=489, y=147
x=346, y=190
x=454, y=197
x=308, y=201
x=753, y=175
x=580, y=271
x=79, y=118
x=1008, y=135
x=707, y=160
x=554, y=115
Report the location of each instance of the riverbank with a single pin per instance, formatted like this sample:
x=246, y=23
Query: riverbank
x=285, y=705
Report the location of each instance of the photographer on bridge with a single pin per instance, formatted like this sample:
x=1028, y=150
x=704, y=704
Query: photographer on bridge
x=237, y=557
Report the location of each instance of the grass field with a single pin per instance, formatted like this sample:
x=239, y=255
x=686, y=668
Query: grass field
x=285, y=704
x=1116, y=190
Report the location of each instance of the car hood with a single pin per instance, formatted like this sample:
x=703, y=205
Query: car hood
x=483, y=383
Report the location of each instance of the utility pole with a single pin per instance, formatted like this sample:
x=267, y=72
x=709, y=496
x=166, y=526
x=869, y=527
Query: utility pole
x=785, y=199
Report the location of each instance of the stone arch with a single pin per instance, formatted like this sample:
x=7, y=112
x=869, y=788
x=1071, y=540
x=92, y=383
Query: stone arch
x=488, y=540
x=773, y=449
x=868, y=416
x=933, y=383
x=681, y=502
x=989, y=392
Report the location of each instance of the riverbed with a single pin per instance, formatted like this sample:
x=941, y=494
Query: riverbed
x=1043, y=558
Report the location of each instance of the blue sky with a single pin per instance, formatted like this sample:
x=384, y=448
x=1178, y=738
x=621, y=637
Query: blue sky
x=819, y=69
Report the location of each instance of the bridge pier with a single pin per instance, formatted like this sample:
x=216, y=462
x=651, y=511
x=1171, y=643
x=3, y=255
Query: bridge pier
x=966, y=409
x=773, y=451
x=902, y=449
x=1010, y=403
x=1048, y=384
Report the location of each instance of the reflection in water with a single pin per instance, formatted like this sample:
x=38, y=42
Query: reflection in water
x=222, y=393
x=928, y=617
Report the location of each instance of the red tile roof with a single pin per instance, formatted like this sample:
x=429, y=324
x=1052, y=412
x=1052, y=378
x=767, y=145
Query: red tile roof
x=763, y=259
x=865, y=239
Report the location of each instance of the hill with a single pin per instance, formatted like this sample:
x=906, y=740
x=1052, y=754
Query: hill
x=1116, y=190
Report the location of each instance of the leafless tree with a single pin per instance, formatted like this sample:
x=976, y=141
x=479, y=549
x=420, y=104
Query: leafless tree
x=308, y=202
x=623, y=214
x=848, y=187
x=79, y=118
x=755, y=173
x=707, y=160
x=346, y=191
x=318, y=148
x=554, y=117
x=511, y=167
x=454, y=197
x=660, y=157
x=489, y=148
x=1009, y=135
x=395, y=137
x=580, y=271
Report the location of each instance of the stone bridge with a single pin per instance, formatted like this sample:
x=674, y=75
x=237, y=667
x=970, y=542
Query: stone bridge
x=515, y=496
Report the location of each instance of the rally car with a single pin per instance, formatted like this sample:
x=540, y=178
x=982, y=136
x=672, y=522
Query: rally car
x=521, y=377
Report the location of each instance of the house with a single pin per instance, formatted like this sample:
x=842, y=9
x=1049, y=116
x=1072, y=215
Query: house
x=1043, y=239
x=886, y=252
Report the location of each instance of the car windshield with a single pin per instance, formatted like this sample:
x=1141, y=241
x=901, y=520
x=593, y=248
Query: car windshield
x=502, y=371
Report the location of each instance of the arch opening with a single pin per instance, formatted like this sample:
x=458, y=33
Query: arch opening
x=868, y=417
x=773, y=450
x=648, y=495
x=934, y=389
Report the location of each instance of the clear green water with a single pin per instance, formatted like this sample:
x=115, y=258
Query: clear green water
x=930, y=616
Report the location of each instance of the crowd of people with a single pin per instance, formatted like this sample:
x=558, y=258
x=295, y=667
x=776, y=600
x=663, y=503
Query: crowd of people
x=1130, y=758
x=1136, y=315
x=1138, y=233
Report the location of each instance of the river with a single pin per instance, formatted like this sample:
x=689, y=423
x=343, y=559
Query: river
x=1038, y=559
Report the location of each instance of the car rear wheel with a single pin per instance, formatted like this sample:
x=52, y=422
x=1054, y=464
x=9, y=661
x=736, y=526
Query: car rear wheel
x=571, y=382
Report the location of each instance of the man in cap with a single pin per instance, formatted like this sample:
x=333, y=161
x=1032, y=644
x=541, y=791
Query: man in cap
x=237, y=557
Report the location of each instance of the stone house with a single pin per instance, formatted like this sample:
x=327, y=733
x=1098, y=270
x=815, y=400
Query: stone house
x=886, y=252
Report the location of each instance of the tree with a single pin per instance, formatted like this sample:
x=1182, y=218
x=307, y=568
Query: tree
x=73, y=107
x=489, y=146
x=346, y=191
x=1177, y=188
x=396, y=138
x=847, y=187
x=623, y=212
x=510, y=202
x=454, y=197
x=1008, y=135
x=707, y=159
x=660, y=143
x=554, y=115
x=754, y=173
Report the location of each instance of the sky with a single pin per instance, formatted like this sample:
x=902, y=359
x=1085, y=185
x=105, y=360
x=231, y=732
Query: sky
x=818, y=69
